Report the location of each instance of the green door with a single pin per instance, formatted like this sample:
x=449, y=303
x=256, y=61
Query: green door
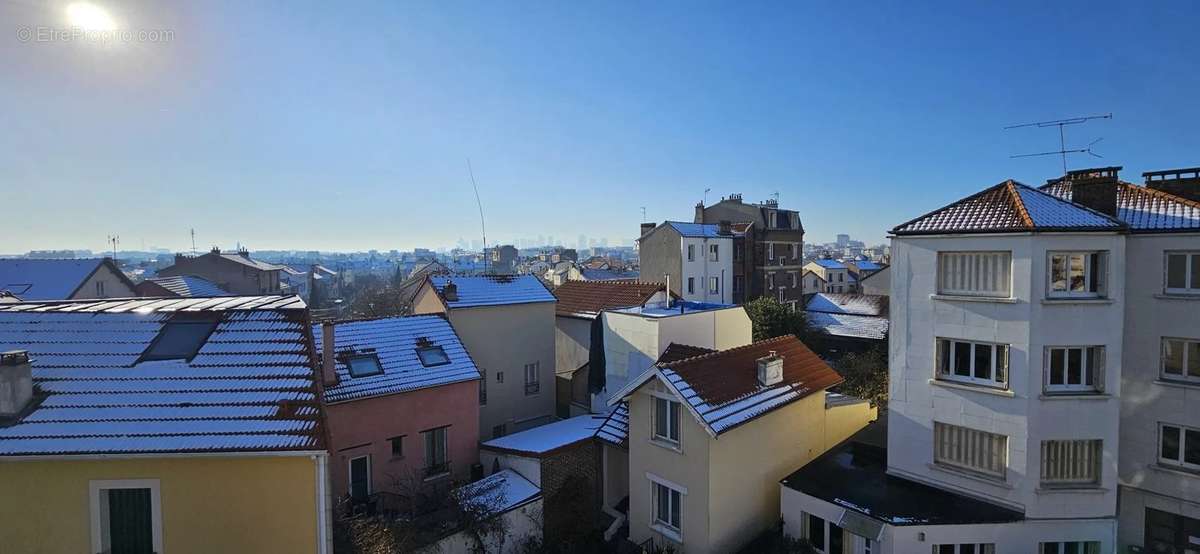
x=130, y=529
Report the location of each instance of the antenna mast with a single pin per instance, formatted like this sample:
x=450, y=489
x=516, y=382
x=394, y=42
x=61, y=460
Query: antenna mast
x=1062, y=137
x=114, y=240
x=482, y=225
x=643, y=214
x=193, y=242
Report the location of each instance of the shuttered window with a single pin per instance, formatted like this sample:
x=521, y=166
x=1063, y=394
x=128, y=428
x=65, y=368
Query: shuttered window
x=1071, y=462
x=975, y=273
x=970, y=449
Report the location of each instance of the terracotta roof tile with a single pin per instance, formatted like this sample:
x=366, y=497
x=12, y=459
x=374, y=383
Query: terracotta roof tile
x=676, y=352
x=588, y=298
x=1009, y=207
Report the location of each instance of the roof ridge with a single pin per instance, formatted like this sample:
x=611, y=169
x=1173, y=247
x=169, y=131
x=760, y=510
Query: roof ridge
x=951, y=205
x=1073, y=204
x=715, y=353
x=1164, y=195
x=1019, y=203
x=380, y=317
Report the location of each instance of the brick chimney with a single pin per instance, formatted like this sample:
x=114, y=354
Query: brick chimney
x=16, y=382
x=646, y=228
x=699, y=212
x=770, y=369
x=328, y=362
x=1184, y=183
x=450, y=291
x=1095, y=188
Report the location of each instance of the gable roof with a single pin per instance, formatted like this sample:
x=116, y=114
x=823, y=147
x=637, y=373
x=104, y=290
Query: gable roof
x=829, y=264
x=36, y=279
x=493, y=290
x=250, y=262
x=250, y=388
x=721, y=388
x=697, y=230
x=189, y=286
x=675, y=352
x=856, y=304
x=1144, y=209
x=394, y=340
x=588, y=298
x=1009, y=207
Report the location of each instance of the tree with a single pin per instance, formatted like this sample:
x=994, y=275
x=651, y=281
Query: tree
x=866, y=375
x=770, y=319
x=377, y=301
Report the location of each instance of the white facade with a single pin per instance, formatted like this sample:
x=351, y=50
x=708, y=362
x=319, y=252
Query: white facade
x=707, y=269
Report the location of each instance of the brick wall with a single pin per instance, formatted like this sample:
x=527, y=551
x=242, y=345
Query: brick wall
x=571, y=489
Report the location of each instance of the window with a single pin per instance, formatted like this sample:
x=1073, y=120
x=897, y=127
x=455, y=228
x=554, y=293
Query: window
x=974, y=273
x=435, y=452
x=691, y=252
x=974, y=548
x=774, y=219
x=364, y=365
x=533, y=383
x=666, y=420
x=1168, y=532
x=1183, y=272
x=713, y=253
x=771, y=251
x=179, y=340
x=827, y=536
x=738, y=251
x=499, y=376
x=482, y=387
x=841, y=277
x=1074, y=369
x=1179, y=446
x=976, y=363
x=126, y=516
x=969, y=449
x=795, y=250
x=397, y=446
x=1071, y=462
x=432, y=355
x=691, y=288
x=1071, y=547
x=792, y=278
x=100, y=289
x=1181, y=359
x=360, y=477
x=739, y=282
x=770, y=280
x=668, y=507
x=714, y=285
x=816, y=531
x=1078, y=274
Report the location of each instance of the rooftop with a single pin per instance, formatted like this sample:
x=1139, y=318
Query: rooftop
x=615, y=429
x=589, y=298
x=498, y=493
x=546, y=439
x=1143, y=209
x=33, y=279
x=394, y=342
x=493, y=290
x=675, y=352
x=189, y=286
x=608, y=274
x=850, y=326
x=1009, y=207
x=230, y=374
x=856, y=304
x=853, y=475
x=701, y=230
x=829, y=264
x=681, y=307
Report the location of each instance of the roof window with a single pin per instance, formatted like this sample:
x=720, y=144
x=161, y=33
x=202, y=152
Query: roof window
x=364, y=365
x=432, y=355
x=179, y=339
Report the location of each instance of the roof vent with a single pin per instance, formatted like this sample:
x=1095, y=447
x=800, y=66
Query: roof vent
x=16, y=382
x=1095, y=188
x=1184, y=183
x=450, y=291
x=770, y=369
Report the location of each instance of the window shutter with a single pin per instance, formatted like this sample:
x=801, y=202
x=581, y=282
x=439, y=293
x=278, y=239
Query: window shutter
x=942, y=366
x=1098, y=352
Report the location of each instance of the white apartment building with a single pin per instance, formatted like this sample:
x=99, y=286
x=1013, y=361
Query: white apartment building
x=695, y=259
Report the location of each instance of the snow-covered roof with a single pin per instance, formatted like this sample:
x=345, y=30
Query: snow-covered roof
x=246, y=260
x=700, y=230
x=394, y=340
x=106, y=384
x=844, y=303
x=615, y=429
x=680, y=307
x=847, y=325
x=34, y=279
x=546, y=439
x=830, y=264
x=1009, y=207
x=608, y=274
x=1142, y=208
x=493, y=290
x=499, y=492
x=867, y=265
x=189, y=286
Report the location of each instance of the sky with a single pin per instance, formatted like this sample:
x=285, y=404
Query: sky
x=348, y=126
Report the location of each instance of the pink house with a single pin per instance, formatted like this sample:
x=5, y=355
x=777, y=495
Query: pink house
x=401, y=402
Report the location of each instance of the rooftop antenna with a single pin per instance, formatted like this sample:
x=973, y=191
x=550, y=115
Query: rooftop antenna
x=643, y=214
x=1062, y=137
x=482, y=226
x=114, y=240
x=706, y=191
x=775, y=195
x=193, y=242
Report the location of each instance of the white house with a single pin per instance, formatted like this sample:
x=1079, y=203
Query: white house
x=694, y=259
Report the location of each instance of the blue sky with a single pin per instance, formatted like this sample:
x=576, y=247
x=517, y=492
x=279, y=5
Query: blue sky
x=314, y=126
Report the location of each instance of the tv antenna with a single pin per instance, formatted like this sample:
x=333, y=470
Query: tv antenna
x=482, y=226
x=643, y=214
x=1062, y=137
x=114, y=240
x=706, y=191
x=193, y=242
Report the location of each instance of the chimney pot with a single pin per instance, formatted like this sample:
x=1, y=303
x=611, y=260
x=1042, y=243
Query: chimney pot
x=770, y=369
x=1184, y=183
x=16, y=382
x=699, y=212
x=328, y=364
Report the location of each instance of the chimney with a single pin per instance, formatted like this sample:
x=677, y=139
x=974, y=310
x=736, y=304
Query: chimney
x=1095, y=188
x=646, y=228
x=699, y=212
x=1184, y=183
x=328, y=344
x=725, y=227
x=215, y=250
x=16, y=382
x=450, y=291
x=770, y=369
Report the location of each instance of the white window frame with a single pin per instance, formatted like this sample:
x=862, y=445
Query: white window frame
x=773, y=218
x=714, y=285
x=98, y=513
x=691, y=252
x=794, y=278
x=350, y=474
x=771, y=251
x=533, y=370
x=714, y=253
x=945, y=455
x=1179, y=462
x=1071, y=462
x=1096, y=353
x=970, y=378
x=1187, y=272
x=1059, y=547
x=691, y=285
x=1185, y=356
x=1088, y=277
x=955, y=268
x=676, y=441
x=661, y=526
x=979, y=547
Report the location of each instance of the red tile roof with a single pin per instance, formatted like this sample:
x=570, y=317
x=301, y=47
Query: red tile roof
x=1009, y=207
x=588, y=298
x=676, y=352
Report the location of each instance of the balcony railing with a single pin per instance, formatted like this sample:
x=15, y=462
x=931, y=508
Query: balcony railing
x=532, y=388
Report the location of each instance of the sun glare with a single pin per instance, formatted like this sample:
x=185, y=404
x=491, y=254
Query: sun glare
x=90, y=17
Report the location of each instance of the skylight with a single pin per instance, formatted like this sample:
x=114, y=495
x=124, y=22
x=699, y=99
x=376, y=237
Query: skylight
x=179, y=340
x=432, y=355
x=364, y=365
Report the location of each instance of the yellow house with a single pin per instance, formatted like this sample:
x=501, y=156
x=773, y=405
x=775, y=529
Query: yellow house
x=187, y=425
x=710, y=436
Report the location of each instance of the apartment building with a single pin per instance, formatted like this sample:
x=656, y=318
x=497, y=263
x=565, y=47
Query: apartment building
x=235, y=272
x=694, y=259
x=837, y=277
x=773, y=248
